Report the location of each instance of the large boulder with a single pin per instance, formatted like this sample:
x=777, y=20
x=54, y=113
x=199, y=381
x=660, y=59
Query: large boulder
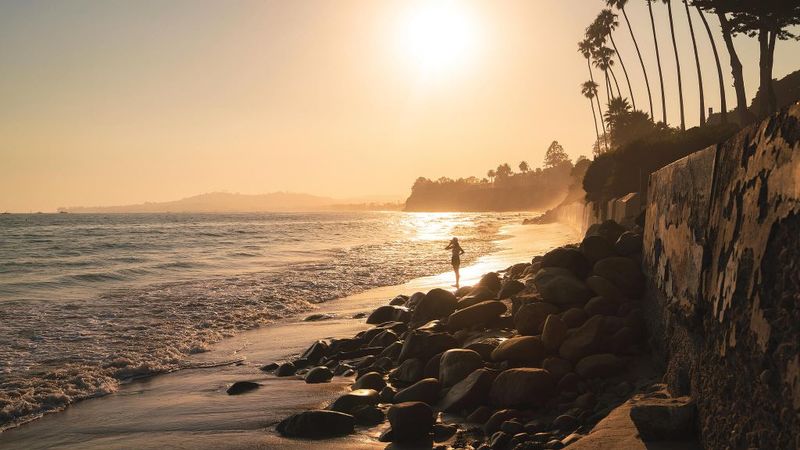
x=624, y=272
x=522, y=387
x=553, y=333
x=574, y=317
x=598, y=366
x=425, y=390
x=510, y=288
x=609, y=229
x=605, y=288
x=410, y=421
x=600, y=306
x=523, y=349
x=596, y=248
x=409, y=371
x=389, y=313
x=456, y=364
x=317, y=424
x=584, y=341
x=437, y=304
x=628, y=244
x=370, y=380
x=240, y=387
x=563, y=290
x=530, y=317
x=414, y=300
x=491, y=281
x=384, y=339
x=557, y=367
x=567, y=258
x=424, y=345
x=319, y=374
x=474, y=315
x=470, y=392
x=316, y=352
x=658, y=419
x=348, y=402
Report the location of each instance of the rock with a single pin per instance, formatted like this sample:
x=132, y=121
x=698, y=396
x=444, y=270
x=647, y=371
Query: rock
x=530, y=318
x=431, y=369
x=600, y=306
x=522, y=387
x=463, y=290
x=569, y=383
x=600, y=365
x=353, y=399
x=241, y=387
x=423, y=345
x=409, y=371
x=360, y=315
x=585, y=401
x=557, y=367
x=410, y=421
x=269, y=367
x=442, y=432
x=484, y=347
x=470, y=392
x=286, y=369
x=425, y=390
x=547, y=274
x=389, y=313
x=317, y=317
x=553, y=333
x=399, y=300
x=384, y=339
x=315, y=353
x=499, y=440
x=628, y=244
x=510, y=288
x=605, y=288
x=584, y=341
x=491, y=281
x=622, y=340
x=567, y=258
x=596, y=248
x=563, y=290
x=368, y=415
x=300, y=363
x=610, y=230
x=624, y=273
x=317, y=424
x=574, y=317
x=664, y=418
x=437, y=304
x=496, y=420
x=523, y=349
x=392, y=350
x=319, y=374
x=480, y=415
x=456, y=364
x=387, y=394
x=512, y=427
x=474, y=315
x=414, y=300
x=371, y=380
x=565, y=422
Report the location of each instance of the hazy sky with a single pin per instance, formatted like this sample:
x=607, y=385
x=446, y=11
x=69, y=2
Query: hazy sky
x=113, y=102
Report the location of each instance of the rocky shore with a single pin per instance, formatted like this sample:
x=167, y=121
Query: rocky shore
x=532, y=357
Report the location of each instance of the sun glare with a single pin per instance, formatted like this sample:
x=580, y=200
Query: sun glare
x=438, y=36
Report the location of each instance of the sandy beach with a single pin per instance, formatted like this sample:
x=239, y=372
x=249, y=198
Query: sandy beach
x=189, y=408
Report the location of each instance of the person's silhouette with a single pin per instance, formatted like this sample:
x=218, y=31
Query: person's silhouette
x=456, y=258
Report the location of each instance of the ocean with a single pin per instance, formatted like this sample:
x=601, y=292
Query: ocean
x=88, y=302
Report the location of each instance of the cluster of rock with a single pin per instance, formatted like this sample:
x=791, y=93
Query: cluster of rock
x=528, y=360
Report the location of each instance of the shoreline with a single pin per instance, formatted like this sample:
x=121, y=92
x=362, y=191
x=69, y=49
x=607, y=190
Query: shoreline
x=72, y=428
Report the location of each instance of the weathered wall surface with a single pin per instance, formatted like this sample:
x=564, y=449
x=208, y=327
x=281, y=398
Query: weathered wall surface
x=722, y=249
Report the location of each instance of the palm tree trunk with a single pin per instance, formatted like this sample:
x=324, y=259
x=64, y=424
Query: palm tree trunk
x=602, y=122
x=697, y=63
x=624, y=70
x=608, y=87
x=658, y=60
x=736, y=70
x=723, y=102
x=616, y=83
x=641, y=61
x=594, y=116
x=677, y=64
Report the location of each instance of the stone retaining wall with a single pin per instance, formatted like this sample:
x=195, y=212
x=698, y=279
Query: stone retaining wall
x=722, y=252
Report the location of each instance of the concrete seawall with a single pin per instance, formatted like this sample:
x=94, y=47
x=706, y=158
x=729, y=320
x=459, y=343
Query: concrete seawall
x=722, y=251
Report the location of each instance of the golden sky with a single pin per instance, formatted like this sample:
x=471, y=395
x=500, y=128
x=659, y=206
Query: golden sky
x=116, y=102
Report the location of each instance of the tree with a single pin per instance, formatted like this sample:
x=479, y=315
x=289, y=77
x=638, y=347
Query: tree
x=658, y=60
x=697, y=63
x=606, y=22
x=602, y=60
x=620, y=4
x=616, y=108
x=585, y=49
x=491, y=174
x=524, y=167
x=723, y=103
x=555, y=155
x=503, y=171
x=677, y=62
x=589, y=90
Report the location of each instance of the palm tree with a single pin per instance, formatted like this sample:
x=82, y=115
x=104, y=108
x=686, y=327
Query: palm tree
x=697, y=63
x=491, y=174
x=602, y=60
x=616, y=108
x=723, y=103
x=606, y=23
x=658, y=60
x=589, y=90
x=524, y=167
x=620, y=4
x=677, y=62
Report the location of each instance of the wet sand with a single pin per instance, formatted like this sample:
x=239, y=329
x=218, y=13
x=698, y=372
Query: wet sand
x=189, y=409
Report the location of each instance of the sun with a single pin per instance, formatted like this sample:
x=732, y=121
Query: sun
x=438, y=36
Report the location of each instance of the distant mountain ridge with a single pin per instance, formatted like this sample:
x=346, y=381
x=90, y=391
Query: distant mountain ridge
x=222, y=202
